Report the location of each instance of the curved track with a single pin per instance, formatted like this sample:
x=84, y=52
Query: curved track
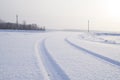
x=56, y=56
x=53, y=69
x=93, y=53
x=75, y=63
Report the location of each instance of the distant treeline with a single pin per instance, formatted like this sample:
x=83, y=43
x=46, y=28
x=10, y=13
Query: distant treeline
x=15, y=26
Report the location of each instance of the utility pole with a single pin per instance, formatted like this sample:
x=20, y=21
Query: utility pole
x=88, y=25
x=17, y=20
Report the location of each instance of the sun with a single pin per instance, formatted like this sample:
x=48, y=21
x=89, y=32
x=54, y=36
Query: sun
x=113, y=8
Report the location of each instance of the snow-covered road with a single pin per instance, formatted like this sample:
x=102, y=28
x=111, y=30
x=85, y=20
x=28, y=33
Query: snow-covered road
x=57, y=55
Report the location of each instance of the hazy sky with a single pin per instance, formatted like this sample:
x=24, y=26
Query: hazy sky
x=70, y=14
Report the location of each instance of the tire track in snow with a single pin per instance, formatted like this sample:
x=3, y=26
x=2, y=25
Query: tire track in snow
x=52, y=68
x=40, y=62
x=93, y=53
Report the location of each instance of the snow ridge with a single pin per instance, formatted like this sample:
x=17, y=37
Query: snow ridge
x=92, y=53
x=53, y=69
x=96, y=38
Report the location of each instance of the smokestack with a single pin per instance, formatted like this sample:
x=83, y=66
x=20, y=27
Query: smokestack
x=17, y=20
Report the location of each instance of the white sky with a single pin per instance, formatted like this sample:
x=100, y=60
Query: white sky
x=64, y=14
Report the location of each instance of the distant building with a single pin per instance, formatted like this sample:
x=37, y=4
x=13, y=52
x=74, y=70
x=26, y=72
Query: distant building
x=1, y=21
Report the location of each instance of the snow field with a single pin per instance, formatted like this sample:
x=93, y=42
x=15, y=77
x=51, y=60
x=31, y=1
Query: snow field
x=17, y=61
x=77, y=64
x=111, y=51
x=49, y=56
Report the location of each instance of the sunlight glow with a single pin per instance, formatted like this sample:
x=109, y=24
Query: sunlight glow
x=113, y=8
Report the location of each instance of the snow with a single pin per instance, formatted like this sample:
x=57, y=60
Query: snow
x=17, y=61
x=59, y=55
x=77, y=64
x=108, y=50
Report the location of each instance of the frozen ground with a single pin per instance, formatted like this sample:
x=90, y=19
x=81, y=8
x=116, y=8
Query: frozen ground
x=59, y=55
